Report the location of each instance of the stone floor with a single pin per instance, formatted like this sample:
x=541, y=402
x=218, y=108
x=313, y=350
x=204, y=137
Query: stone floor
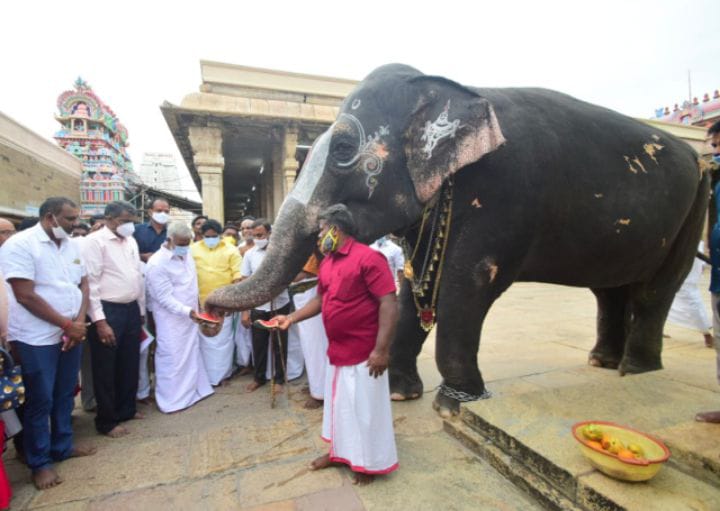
x=232, y=451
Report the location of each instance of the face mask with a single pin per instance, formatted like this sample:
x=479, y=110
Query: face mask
x=212, y=242
x=261, y=244
x=181, y=251
x=329, y=242
x=716, y=158
x=161, y=217
x=58, y=231
x=126, y=230
x=230, y=240
x=248, y=238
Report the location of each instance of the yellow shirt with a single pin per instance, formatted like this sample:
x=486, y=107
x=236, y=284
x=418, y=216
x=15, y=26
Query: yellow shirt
x=215, y=268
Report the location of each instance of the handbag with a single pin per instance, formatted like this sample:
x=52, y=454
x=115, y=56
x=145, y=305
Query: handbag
x=12, y=390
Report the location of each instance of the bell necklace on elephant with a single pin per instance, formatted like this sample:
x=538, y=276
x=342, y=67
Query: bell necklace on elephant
x=438, y=234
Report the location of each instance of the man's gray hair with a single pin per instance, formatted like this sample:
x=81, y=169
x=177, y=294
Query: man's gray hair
x=340, y=216
x=118, y=207
x=178, y=229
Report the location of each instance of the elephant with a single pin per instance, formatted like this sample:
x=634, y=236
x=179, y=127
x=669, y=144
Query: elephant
x=486, y=187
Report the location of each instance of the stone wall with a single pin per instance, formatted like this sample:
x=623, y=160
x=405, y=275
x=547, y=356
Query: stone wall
x=31, y=169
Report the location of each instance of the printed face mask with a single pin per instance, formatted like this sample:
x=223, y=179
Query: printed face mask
x=212, y=242
x=126, y=230
x=329, y=242
x=261, y=244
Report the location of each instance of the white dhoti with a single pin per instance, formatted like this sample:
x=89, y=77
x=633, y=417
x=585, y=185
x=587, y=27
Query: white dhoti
x=314, y=343
x=688, y=309
x=217, y=352
x=357, y=419
x=242, y=337
x=181, y=378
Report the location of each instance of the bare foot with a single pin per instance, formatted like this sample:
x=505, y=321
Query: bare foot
x=138, y=416
x=362, y=479
x=279, y=389
x=117, y=431
x=46, y=478
x=252, y=386
x=225, y=383
x=323, y=462
x=144, y=401
x=305, y=389
x=712, y=417
x=83, y=450
x=312, y=403
x=709, y=341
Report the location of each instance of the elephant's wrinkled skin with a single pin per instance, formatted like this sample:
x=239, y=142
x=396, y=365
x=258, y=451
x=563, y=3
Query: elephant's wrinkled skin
x=546, y=188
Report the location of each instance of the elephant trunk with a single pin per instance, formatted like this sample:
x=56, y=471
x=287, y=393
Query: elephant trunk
x=293, y=237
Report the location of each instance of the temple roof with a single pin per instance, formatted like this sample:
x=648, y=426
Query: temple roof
x=702, y=113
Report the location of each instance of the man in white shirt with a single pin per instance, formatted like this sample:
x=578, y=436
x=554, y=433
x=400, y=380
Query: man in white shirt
x=173, y=288
x=278, y=305
x=47, y=322
x=394, y=256
x=117, y=307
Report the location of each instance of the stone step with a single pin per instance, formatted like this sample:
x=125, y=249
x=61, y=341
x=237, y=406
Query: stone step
x=527, y=438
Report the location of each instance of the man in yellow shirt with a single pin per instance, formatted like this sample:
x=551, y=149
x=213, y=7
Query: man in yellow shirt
x=218, y=265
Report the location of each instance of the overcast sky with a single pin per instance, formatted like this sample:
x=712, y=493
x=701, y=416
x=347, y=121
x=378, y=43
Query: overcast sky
x=631, y=56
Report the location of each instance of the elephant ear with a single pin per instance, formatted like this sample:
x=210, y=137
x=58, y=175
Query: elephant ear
x=450, y=127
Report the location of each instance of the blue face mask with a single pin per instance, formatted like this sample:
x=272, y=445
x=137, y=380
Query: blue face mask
x=212, y=242
x=716, y=158
x=181, y=251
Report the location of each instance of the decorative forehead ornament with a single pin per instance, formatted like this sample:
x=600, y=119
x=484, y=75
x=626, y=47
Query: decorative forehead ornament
x=371, y=151
x=436, y=131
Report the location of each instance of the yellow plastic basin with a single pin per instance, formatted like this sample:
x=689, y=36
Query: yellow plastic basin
x=656, y=453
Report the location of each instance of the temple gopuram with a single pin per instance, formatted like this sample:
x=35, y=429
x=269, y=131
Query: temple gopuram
x=92, y=132
x=696, y=113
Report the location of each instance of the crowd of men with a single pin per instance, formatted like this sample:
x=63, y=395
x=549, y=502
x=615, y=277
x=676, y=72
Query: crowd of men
x=85, y=301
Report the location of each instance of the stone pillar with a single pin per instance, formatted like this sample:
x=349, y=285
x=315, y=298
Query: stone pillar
x=290, y=165
x=206, y=143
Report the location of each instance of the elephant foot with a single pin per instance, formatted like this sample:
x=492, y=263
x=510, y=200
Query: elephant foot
x=404, y=387
x=630, y=366
x=445, y=406
x=596, y=359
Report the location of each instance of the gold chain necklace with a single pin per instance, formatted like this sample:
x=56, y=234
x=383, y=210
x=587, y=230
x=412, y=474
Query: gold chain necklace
x=435, y=253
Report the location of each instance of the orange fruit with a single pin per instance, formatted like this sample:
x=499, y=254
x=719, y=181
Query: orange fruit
x=594, y=444
x=626, y=454
x=605, y=440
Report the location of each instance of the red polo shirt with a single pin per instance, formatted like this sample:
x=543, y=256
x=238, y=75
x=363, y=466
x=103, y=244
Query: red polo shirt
x=351, y=281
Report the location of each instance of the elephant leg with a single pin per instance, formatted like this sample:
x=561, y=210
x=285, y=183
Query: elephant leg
x=405, y=382
x=612, y=320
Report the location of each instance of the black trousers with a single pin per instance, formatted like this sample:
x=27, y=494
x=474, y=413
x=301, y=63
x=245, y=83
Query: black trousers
x=115, y=368
x=260, y=339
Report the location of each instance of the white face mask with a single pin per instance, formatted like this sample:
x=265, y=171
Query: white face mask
x=58, y=231
x=125, y=230
x=161, y=217
x=261, y=244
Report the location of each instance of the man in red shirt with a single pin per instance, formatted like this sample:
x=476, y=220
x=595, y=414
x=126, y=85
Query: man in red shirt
x=356, y=294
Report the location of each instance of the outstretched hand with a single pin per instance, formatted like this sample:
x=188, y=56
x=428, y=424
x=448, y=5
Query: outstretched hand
x=378, y=362
x=283, y=322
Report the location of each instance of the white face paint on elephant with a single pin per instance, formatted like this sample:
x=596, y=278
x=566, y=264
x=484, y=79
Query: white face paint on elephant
x=312, y=170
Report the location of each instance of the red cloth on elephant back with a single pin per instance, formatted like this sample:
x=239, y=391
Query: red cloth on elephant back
x=351, y=282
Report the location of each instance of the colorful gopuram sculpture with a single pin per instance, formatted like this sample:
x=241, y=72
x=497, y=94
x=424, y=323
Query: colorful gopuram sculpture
x=696, y=113
x=92, y=132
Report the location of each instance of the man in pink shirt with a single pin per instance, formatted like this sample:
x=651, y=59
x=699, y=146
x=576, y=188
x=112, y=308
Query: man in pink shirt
x=117, y=307
x=356, y=295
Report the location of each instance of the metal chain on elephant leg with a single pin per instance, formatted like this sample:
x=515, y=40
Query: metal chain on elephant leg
x=460, y=396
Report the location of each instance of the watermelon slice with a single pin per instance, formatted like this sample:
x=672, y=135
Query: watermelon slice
x=209, y=318
x=266, y=325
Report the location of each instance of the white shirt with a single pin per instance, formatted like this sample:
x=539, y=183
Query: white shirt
x=250, y=264
x=56, y=272
x=393, y=254
x=172, y=282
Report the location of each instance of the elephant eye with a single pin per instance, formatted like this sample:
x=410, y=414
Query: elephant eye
x=343, y=151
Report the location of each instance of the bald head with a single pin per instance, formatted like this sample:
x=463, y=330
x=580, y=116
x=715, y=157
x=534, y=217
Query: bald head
x=7, y=229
